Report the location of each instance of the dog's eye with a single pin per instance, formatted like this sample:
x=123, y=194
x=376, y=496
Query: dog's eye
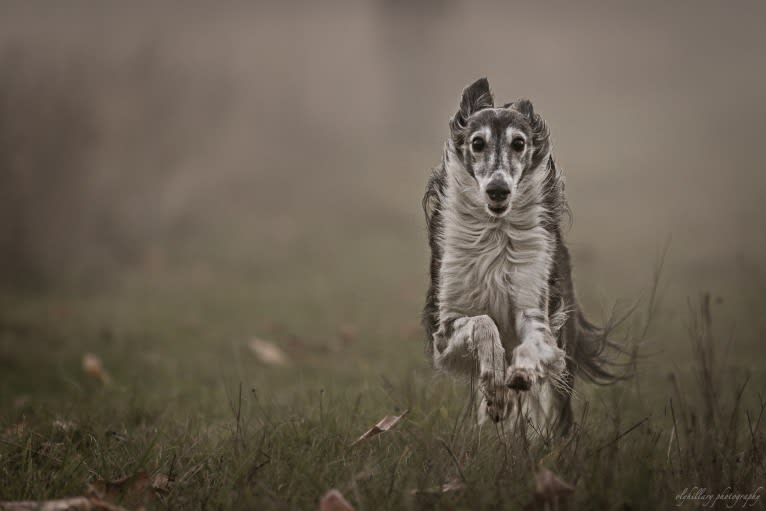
x=477, y=144
x=518, y=144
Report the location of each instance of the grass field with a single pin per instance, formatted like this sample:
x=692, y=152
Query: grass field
x=188, y=399
x=179, y=179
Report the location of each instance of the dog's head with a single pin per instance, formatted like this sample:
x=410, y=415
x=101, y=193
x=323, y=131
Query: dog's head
x=499, y=147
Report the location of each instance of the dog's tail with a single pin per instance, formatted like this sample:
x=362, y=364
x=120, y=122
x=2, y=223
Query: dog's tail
x=595, y=356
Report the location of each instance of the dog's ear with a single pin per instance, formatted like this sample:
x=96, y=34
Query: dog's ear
x=540, y=133
x=524, y=107
x=476, y=96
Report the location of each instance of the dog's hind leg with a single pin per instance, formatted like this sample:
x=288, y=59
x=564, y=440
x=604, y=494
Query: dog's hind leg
x=471, y=345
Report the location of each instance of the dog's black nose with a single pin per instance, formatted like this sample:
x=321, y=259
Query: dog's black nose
x=498, y=191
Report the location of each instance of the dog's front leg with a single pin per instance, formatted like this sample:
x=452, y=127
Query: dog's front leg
x=472, y=345
x=537, y=356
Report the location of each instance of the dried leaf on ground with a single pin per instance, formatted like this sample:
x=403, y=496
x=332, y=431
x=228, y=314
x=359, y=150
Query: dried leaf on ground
x=268, y=352
x=333, y=500
x=91, y=365
x=386, y=423
x=549, y=489
x=135, y=488
x=65, y=426
x=453, y=485
x=70, y=504
x=161, y=483
x=116, y=435
x=130, y=486
x=15, y=430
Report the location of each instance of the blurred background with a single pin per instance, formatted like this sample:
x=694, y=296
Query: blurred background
x=276, y=142
x=188, y=188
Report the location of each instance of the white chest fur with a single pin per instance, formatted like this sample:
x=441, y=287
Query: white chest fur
x=492, y=276
x=491, y=266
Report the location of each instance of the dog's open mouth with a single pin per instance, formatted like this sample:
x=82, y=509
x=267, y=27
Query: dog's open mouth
x=497, y=210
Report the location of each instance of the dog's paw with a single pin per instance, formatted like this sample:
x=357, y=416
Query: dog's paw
x=521, y=378
x=495, y=405
x=533, y=362
x=497, y=411
x=495, y=396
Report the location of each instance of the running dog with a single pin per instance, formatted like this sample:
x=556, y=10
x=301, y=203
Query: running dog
x=501, y=306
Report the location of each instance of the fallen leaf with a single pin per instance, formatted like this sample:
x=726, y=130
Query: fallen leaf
x=454, y=485
x=386, y=423
x=133, y=488
x=549, y=484
x=15, y=430
x=268, y=352
x=70, y=504
x=64, y=426
x=333, y=500
x=549, y=488
x=91, y=365
x=161, y=483
x=116, y=436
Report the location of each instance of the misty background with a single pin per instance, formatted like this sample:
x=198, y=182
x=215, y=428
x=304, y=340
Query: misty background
x=228, y=137
x=188, y=188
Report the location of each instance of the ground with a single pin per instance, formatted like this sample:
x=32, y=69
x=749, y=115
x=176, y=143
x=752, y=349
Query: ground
x=175, y=183
x=189, y=399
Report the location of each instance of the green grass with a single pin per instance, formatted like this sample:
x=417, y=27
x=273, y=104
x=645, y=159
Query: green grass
x=189, y=399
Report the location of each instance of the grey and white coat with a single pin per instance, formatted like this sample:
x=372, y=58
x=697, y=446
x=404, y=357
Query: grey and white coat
x=501, y=306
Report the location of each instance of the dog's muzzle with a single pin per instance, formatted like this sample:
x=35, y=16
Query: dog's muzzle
x=498, y=194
